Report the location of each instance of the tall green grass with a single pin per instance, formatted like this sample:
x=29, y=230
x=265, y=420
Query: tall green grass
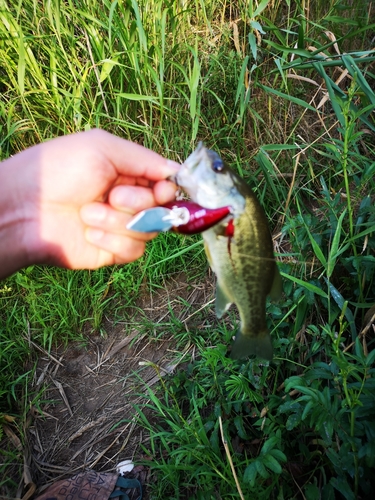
x=259, y=82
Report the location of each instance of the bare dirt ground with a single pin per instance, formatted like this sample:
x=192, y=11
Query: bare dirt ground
x=88, y=420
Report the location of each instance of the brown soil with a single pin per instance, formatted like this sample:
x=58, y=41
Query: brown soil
x=88, y=420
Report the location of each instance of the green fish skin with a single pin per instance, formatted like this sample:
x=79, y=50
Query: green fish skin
x=244, y=264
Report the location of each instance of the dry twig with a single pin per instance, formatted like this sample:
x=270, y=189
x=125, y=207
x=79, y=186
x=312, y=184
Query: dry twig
x=230, y=459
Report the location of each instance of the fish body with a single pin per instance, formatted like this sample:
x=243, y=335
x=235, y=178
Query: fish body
x=244, y=261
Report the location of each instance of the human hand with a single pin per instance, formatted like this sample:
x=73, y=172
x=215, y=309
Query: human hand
x=70, y=199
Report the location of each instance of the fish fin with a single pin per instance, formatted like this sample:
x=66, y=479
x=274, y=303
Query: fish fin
x=207, y=250
x=222, y=303
x=246, y=345
x=277, y=285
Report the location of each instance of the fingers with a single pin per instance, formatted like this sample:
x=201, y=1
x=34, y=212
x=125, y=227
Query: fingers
x=102, y=217
x=132, y=159
x=140, y=184
x=106, y=222
x=164, y=191
x=106, y=229
x=131, y=199
x=123, y=248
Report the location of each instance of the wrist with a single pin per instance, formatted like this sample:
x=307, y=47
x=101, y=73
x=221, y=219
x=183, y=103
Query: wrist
x=18, y=216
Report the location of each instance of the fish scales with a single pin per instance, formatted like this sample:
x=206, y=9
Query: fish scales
x=244, y=264
x=246, y=257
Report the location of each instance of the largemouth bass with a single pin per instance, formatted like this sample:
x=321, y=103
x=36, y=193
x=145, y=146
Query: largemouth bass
x=239, y=249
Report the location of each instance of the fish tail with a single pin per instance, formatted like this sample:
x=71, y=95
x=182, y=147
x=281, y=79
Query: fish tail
x=246, y=345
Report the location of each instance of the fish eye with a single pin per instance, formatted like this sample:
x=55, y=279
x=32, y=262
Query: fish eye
x=218, y=165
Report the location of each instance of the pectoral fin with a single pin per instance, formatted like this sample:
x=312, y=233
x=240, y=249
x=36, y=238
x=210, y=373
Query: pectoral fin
x=222, y=302
x=277, y=285
x=207, y=250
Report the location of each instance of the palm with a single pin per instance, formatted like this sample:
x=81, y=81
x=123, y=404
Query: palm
x=65, y=189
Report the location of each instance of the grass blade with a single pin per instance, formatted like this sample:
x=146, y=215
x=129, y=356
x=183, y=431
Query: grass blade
x=309, y=286
x=334, y=92
x=343, y=305
x=356, y=73
x=333, y=254
x=290, y=98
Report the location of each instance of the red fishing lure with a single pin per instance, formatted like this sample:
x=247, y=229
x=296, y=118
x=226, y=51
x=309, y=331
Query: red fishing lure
x=198, y=218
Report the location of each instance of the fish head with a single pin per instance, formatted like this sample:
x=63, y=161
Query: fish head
x=209, y=182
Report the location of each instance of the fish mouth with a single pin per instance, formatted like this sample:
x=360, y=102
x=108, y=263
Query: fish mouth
x=194, y=159
x=191, y=162
x=173, y=178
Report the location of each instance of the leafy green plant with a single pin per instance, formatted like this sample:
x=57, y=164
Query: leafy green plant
x=185, y=445
x=337, y=405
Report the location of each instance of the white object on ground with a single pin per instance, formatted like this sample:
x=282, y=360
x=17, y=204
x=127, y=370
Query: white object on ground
x=124, y=466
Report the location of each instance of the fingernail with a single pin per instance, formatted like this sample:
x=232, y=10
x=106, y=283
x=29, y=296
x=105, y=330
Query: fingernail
x=173, y=164
x=94, y=235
